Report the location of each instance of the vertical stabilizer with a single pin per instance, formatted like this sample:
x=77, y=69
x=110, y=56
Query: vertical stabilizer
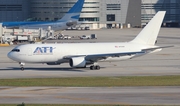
x=74, y=13
x=148, y=35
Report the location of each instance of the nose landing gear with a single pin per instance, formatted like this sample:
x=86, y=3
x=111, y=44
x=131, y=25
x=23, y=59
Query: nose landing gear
x=21, y=65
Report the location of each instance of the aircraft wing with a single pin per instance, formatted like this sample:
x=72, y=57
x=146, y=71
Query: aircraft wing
x=96, y=57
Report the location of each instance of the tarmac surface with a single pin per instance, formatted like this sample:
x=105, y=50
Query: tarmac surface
x=94, y=95
x=165, y=62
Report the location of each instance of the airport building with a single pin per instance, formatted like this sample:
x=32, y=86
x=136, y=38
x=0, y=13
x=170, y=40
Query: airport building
x=95, y=14
x=172, y=7
x=50, y=10
x=14, y=10
x=118, y=13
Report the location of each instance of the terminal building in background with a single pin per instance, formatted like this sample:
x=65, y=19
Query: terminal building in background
x=14, y=10
x=117, y=13
x=172, y=7
x=95, y=13
x=50, y=10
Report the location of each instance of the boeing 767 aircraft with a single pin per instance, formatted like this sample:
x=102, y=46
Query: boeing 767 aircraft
x=79, y=55
x=70, y=19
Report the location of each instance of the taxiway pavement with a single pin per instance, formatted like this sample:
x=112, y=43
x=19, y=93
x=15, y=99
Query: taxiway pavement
x=91, y=95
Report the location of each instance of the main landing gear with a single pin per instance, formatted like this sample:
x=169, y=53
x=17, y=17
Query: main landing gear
x=21, y=65
x=95, y=67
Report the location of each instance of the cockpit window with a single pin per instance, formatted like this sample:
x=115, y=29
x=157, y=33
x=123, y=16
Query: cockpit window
x=15, y=50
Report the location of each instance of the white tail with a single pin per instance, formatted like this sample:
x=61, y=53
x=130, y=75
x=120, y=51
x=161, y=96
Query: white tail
x=148, y=35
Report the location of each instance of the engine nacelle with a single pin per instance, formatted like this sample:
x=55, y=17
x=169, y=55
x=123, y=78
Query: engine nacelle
x=77, y=62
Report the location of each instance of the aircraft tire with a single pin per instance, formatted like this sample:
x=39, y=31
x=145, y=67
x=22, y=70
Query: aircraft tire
x=22, y=68
x=97, y=67
x=92, y=67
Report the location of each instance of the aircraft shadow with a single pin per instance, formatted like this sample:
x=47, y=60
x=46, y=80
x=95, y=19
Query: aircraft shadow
x=169, y=37
x=164, y=37
x=45, y=69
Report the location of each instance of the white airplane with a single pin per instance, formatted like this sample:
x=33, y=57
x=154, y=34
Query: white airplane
x=79, y=55
x=70, y=19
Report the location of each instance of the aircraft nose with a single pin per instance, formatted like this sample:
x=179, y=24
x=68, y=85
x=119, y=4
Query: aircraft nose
x=11, y=56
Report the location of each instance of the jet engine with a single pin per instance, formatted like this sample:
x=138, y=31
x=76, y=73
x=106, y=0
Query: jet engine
x=77, y=62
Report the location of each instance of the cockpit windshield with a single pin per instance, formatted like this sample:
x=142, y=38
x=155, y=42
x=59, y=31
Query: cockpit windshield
x=15, y=50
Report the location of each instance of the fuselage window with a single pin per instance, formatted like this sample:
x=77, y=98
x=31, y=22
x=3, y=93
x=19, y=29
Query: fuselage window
x=15, y=50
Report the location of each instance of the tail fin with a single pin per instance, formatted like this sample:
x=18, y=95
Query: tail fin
x=148, y=35
x=74, y=13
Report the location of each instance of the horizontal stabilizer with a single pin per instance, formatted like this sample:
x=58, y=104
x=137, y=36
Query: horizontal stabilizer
x=155, y=48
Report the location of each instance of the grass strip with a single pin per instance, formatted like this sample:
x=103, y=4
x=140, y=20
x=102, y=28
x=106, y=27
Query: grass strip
x=95, y=81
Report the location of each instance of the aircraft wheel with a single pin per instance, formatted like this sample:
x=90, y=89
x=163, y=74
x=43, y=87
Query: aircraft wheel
x=97, y=67
x=22, y=68
x=21, y=65
x=92, y=67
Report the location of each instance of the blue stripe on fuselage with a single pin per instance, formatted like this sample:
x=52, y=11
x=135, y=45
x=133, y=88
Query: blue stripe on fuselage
x=13, y=24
